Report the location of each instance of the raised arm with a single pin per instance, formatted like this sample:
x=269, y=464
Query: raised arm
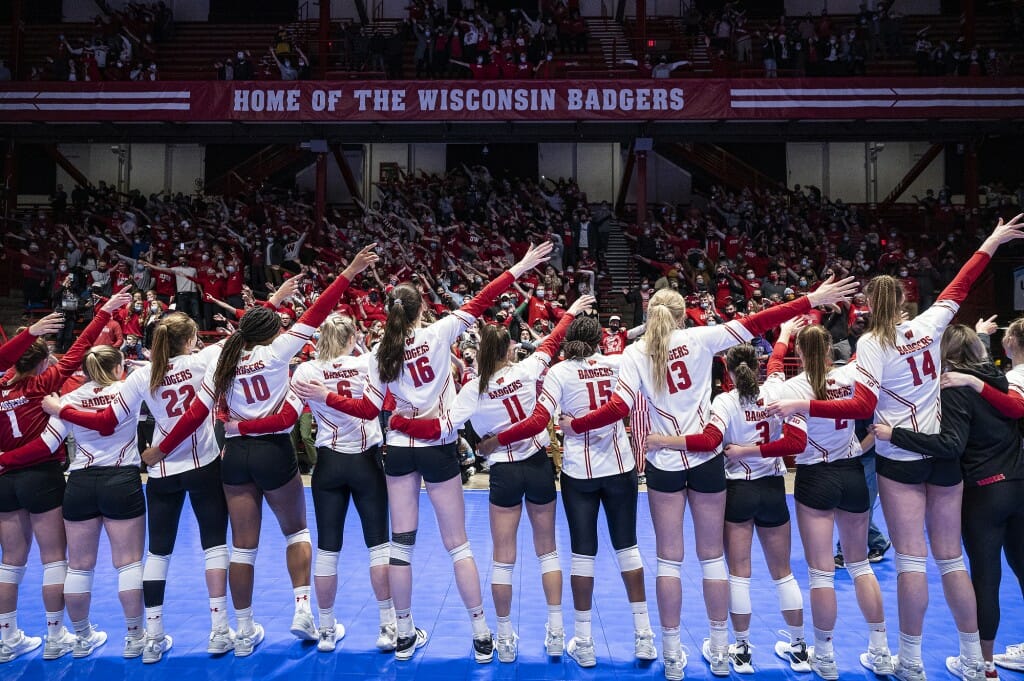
x=12, y=350
x=535, y=255
x=55, y=376
x=958, y=289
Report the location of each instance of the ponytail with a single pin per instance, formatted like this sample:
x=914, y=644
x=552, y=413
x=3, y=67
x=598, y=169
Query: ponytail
x=1015, y=334
x=404, y=304
x=494, y=342
x=741, y=360
x=885, y=295
x=100, y=364
x=665, y=311
x=170, y=338
x=256, y=326
x=815, y=345
x=582, y=337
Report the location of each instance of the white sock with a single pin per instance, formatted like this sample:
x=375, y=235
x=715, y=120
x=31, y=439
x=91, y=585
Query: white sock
x=302, y=599
x=404, y=619
x=479, y=622
x=155, y=621
x=743, y=636
x=219, y=612
x=641, y=620
x=8, y=625
x=910, y=648
x=670, y=639
x=505, y=626
x=796, y=632
x=970, y=645
x=326, y=618
x=134, y=625
x=386, y=610
x=555, y=618
x=54, y=623
x=582, y=624
x=719, y=634
x=876, y=636
x=245, y=623
x=822, y=642
x=82, y=628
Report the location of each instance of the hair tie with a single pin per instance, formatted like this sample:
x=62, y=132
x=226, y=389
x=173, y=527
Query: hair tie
x=397, y=303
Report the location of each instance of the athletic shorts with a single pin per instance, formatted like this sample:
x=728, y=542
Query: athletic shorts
x=339, y=478
x=932, y=471
x=113, y=492
x=582, y=500
x=532, y=479
x=434, y=464
x=762, y=500
x=708, y=477
x=267, y=461
x=37, y=489
x=833, y=485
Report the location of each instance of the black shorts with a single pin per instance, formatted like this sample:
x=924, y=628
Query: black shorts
x=267, y=461
x=339, y=477
x=708, y=477
x=37, y=489
x=762, y=500
x=830, y=485
x=583, y=498
x=165, y=497
x=532, y=478
x=113, y=492
x=434, y=464
x=932, y=471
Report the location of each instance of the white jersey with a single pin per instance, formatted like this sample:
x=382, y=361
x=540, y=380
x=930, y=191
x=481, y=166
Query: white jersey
x=172, y=398
x=92, y=449
x=1015, y=376
x=683, y=407
x=578, y=386
x=262, y=379
x=335, y=430
x=747, y=423
x=425, y=388
x=827, y=439
x=905, y=378
x=510, y=397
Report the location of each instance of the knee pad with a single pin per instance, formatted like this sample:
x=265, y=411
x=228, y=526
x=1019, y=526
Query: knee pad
x=714, y=568
x=217, y=557
x=325, y=564
x=789, y=594
x=905, y=563
x=461, y=552
x=549, y=563
x=821, y=579
x=669, y=568
x=947, y=565
x=380, y=554
x=243, y=556
x=55, y=572
x=11, y=574
x=129, y=577
x=78, y=581
x=629, y=559
x=302, y=536
x=501, y=573
x=156, y=568
x=739, y=595
x=582, y=566
x=402, y=545
x=859, y=569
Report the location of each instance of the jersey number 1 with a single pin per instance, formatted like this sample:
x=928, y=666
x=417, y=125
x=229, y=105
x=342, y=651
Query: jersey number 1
x=599, y=392
x=13, y=418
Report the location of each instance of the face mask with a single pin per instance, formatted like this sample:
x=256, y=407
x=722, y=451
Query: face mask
x=63, y=268
x=803, y=282
x=910, y=254
x=231, y=269
x=644, y=287
x=700, y=265
x=750, y=276
x=903, y=273
x=137, y=307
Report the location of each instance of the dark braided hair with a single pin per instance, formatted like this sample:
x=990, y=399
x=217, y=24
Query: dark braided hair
x=582, y=338
x=741, y=360
x=258, y=325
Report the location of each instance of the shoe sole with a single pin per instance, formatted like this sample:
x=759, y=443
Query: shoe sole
x=26, y=651
x=576, y=659
x=1012, y=666
x=103, y=640
x=47, y=655
x=403, y=656
x=871, y=668
x=170, y=644
x=252, y=650
x=483, y=659
x=719, y=673
x=553, y=651
x=303, y=634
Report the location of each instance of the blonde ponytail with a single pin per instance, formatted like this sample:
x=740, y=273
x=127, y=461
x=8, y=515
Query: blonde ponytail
x=665, y=311
x=100, y=364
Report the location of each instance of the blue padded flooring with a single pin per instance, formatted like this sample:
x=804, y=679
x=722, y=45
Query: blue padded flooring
x=438, y=608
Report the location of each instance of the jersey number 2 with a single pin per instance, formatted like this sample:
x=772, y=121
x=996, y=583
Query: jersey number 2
x=187, y=393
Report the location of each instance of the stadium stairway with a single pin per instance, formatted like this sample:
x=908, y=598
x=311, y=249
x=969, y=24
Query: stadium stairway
x=619, y=256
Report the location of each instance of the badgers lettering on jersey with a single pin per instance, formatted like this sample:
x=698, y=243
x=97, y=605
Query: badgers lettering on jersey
x=243, y=369
x=600, y=372
x=915, y=346
x=180, y=377
x=753, y=415
x=509, y=389
x=678, y=353
x=98, y=402
x=7, y=405
x=344, y=373
x=413, y=353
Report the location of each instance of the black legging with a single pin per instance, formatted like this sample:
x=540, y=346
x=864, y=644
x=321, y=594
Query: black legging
x=582, y=500
x=165, y=498
x=339, y=477
x=993, y=521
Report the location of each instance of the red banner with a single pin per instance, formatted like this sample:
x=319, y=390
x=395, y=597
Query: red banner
x=561, y=100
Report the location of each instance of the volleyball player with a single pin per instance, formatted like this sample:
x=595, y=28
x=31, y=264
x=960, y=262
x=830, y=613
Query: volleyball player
x=671, y=368
x=31, y=496
x=168, y=385
x=755, y=498
x=501, y=394
x=251, y=375
x=898, y=384
x=830, y=491
x=413, y=362
x=597, y=471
